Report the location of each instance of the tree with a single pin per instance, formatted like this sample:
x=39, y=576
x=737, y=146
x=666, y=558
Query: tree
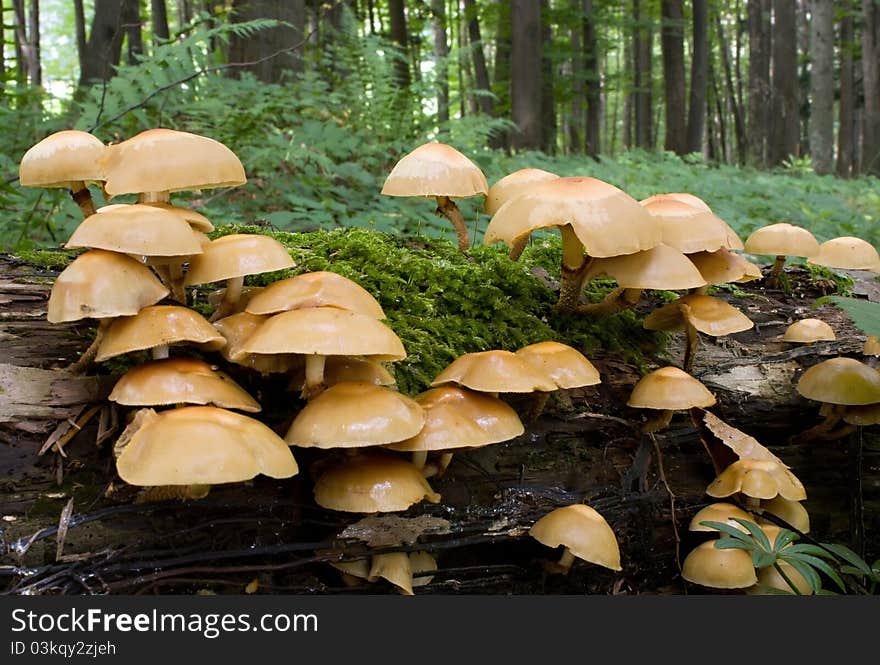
x=481, y=72
x=548, y=97
x=643, y=80
x=159, y=19
x=759, y=80
x=822, y=85
x=697, y=103
x=594, y=81
x=785, y=126
x=400, y=37
x=103, y=47
x=525, y=72
x=847, y=116
x=441, y=55
x=672, y=45
x=271, y=50
x=871, y=86
x=27, y=41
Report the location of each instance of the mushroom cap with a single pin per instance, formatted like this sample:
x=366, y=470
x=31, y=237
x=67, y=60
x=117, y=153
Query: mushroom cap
x=862, y=415
x=847, y=253
x=395, y=567
x=61, y=159
x=670, y=388
x=792, y=512
x=782, y=239
x=682, y=197
x=158, y=325
x=327, y=331
x=237, y=255
x=422, y=562
x=758, y=479
x=195, y=219
x=710, y=566
x=708, y=314
x=202, y=445
x=460, y=418
x=583, y=531
x=690, y=229
x=315, y=289
x=167, y=160
x=237, y=329
x=435, y=169
x=345, y=368
x=512, y=185
x=353, y=414
x=770, y=577
x=719, y=512
x=495, y=371
x=138, y=229
x=661, y=267
x=809, y=330
x=607, y=220
x=723, y=266
x=567, y=366
x=99, y=284
x=845, y=381
x=180, y=381
x=372, y=484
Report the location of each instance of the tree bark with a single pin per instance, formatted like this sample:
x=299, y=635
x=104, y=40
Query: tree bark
x=871, y=86
x=593, y=82
x=104, y=44
x=441, y=60
x=131, y=20
x=268, y=42
x=822, y=85
x=481, y=71
x=672, y=45
x=501, y=79
x=697, y=103
x=847, y=120
x=526, y=82
x=643, y=79
x=548, y=98
x=184, y=14
x=400, y=37
x=759, y=80
x=35, y=65
x=159, y=19
x=738, y=125
x=575, y=124
x=785, y=133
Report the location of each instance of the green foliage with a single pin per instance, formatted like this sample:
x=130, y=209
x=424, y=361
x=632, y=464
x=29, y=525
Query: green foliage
x=864, y=313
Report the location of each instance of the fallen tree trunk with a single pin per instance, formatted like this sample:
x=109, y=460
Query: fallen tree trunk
x=269, y=535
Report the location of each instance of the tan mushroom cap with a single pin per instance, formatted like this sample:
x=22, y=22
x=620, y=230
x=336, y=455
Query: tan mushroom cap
x=180, y=381
x=99, y=284
x=782, y=239
x=138, y=229
x=806, y=331
x=354, y=414
x=159, y=325
x=567, y=366
x=792, y=512
x=690, y=229
x=395, y=567
x=237, y=255
x=847, y=253
x=373, y=484
x=863, y=415
x=512, y=185
x=315, y=289
x=770, y=577
x=723, y=266
x=202, y=445
x=237, y=329
x=707, y=314
x=758, y=479
x=720, y=512
x=607, y=220
x=422, y=562
x=435, y=169
x=670, y=388
x=843, y=381
x=167, y=160
x=325, y=331
x=359, y=568
x=61, y=159
x=583, y=531
x=460, y=418
x=716, y=568
x=661, y=267
x=195, y=219
x=495, y=371
x=345, y=368
x=681, y=197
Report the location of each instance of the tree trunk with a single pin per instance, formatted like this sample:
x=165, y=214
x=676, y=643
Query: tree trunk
x=738, y=125
x=258, y=48
x=846, y=132
x=79, y=21
x=184, y=14
x=131, y=21
x=441, y=60
x=501, y=79
x=822, y=85
x=759, y=80
x=400, y=37
x=871, y=86
x=785, y=134
x=697, y=102
x=481, y=71
x=548, y=98
x=672, y=45
x=104, y=45
x=593, y=82
x=643, y=80
x=526, y=82
x=575, y=124
x=35, y=66
x=158, y=18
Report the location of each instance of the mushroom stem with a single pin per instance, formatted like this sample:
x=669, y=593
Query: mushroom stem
x=660, y=421
x=566, y=561
x=536, y=408
x=171, y=492
x=154, y=197
x=175, y=275
x=419, y=459
x=616, y=301
x=824, y=428
x=160, y=352
x=574, y=270
x=751, y=503
x=229, y=301
x=314, y=383
x=443, y=464
x=447, y=208
x=89, y=354
x=518, y=247
x=690, y=349
x=83, y=198
x=776, y=272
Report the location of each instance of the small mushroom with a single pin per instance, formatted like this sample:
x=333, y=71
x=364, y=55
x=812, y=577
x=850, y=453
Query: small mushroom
x=808, y=331
x=584, y=534
x=422, y=562
x=781, y=240
x=395, y=567
x=237, y=329
x=726, y=513
x=315, y=289
x=494, y=372
x=716, y=568
x=511, y=186
x=344, y=368
x=847, y=253
x=840, y=383
x=567, y=366
x=755, y=480
x=691, y=229
x=770, y=578
x=667, y=390
x=723, y=267
x=789, y=511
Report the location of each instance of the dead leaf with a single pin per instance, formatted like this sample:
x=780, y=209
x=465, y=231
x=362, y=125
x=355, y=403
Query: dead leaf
x=63, y=524
x=393, y=531
x=745, y=446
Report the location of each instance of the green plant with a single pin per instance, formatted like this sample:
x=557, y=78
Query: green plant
x=865, y=314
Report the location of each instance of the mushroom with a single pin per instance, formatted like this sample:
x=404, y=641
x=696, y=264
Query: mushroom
x=344, y=368
x=691, y=229
x=726, y=513
x=237, y=329
x=770, y=579
x=792, y=512
x=595, y=219
x=195, y=219
x=681, y=197
x=372, y=483
x=511, y=186
x=583, y=533
x=199, y=446
x=101, y=285
x=396, y=567
x=847, y=253
x=839, y=383
x=808, y=331
x=755, y=480
x=422, y=562
x=717, y=568
x=438, y=171
x=315, y=289
x=69, y=159
x=232, y=258
x=668, y=389
x=156, y=327
x=180, y=381
x=567, y=366
x=494, y=372
x=722, y=267
x=781, y=240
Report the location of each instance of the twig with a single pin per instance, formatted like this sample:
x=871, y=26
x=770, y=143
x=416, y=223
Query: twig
x=63, y=523
x=671, y=500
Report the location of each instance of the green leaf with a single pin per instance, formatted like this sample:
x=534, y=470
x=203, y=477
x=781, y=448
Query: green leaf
x=813, y=550
x=728, y=529
x=864, y=314
x=849, y=556
x=784, y=538
x=757, y=533
x=735, y=543
x=820, y=565
x=807, y=572
x=763, y=559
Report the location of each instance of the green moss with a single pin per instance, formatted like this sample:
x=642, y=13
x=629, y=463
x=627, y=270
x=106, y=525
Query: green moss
x=47, y=259
x=820, y=275
x=443, y=303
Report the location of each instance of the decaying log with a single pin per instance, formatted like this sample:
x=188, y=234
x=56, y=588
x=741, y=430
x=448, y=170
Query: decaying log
x=585, y=447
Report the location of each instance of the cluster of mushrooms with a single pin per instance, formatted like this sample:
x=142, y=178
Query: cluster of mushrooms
x=326, y=334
